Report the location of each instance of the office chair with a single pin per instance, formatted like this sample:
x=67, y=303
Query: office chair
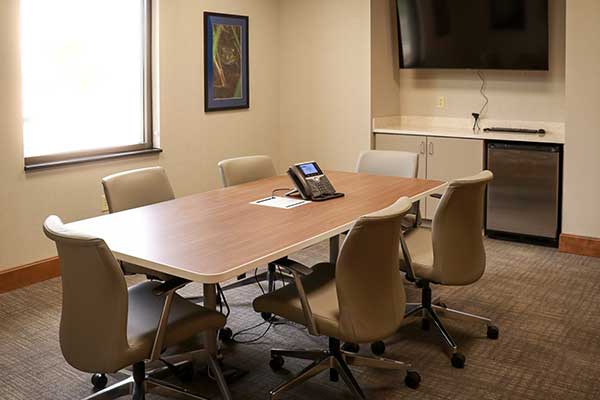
x=451, y=253
x=237, y=171
x=359, y=299
x=127, y=326
x=393, y=163
x=138, y=188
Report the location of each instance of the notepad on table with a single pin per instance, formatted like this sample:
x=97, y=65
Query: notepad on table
x=280, y=202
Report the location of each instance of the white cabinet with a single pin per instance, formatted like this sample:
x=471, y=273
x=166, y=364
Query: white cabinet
x=449, y=159
x=439, y=158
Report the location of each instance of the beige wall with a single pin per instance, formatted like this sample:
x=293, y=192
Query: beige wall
x=514, y=95
x=193, y=141
x=325, y=81
x=582, y=150
x=385, y=77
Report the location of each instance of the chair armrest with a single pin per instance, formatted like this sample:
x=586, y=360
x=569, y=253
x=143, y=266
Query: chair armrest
x=169, y=286
x=166, y=289
x=298, y=272
x=410, y=274
x=294, y=266
x=436, y=195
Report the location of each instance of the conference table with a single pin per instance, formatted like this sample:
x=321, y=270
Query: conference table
x=215, y=236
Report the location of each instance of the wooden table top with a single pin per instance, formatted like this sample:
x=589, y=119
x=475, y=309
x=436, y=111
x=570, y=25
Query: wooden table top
x=214, y=236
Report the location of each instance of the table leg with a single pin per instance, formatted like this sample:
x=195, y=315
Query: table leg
x=334, y=248
x=210, y=302
x=210, y=337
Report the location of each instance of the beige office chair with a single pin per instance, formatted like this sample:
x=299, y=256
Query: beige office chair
x=127, y=326
x=451, y=253
x=393, y=163
x=237, y=171
x=338, y=300
x=138, y=188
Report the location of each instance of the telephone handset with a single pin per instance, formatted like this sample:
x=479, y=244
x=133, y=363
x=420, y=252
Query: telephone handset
x=311, y=182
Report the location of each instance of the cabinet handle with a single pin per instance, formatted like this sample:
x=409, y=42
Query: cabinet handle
x=430, y=148
x=422, y=150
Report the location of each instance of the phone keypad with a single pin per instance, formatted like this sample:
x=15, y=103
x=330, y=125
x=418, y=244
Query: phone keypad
x=322, y=185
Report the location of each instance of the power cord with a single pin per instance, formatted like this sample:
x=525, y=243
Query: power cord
x=258, y=282
x=246, y=331
x=477, y=116
x=223, y=301
x=279, y=190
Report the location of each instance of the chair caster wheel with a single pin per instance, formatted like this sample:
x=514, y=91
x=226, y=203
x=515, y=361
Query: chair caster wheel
x=493, y=332
x=276, y=363
x=225, y=334
x=425, y=324
x=266, y=316
x=412, y=379
x=351, y=347
x=378, y=348
x=99, y=381
x=458, y=360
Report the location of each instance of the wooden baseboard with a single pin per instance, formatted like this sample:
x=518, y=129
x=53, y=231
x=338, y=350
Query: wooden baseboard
x=585, y=246
x=26, y=275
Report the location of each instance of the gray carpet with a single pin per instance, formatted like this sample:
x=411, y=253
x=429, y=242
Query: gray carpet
x=547, y=305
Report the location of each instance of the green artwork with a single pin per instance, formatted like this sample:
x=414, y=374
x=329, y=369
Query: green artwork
x=227, y=60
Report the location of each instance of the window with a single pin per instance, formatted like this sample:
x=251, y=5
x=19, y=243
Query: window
x=86, y=79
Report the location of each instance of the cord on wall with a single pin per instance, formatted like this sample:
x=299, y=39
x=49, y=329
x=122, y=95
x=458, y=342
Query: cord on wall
x=477, y=116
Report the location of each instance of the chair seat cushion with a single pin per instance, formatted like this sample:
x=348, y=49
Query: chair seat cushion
x=420, y=248
x=322, y=296
x=186, y=319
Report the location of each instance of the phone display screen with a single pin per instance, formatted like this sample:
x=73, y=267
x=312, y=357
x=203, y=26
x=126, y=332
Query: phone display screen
x=310, y=169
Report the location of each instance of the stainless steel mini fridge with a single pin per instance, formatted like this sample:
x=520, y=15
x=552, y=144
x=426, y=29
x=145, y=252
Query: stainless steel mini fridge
x=524, y=199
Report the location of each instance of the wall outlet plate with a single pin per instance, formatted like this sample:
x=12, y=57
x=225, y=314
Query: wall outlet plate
x=441, y=102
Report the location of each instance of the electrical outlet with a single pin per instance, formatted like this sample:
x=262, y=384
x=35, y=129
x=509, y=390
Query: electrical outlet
x=441, y=102
x=104, y=207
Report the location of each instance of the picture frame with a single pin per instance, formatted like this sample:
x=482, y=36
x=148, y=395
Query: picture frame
x=226, y=62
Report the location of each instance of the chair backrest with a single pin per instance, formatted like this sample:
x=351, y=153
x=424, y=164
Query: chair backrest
x=388, y=163
x=236, y=171
x=93, y=324
x=137, y=188
x=369, y=284
x=457, y=231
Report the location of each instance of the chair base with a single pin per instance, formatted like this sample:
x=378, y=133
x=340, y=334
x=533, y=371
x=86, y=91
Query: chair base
x=141, y=383
x=428, y=307
x=337, y=362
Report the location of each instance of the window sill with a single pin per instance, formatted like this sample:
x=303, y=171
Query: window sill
x=81, y=160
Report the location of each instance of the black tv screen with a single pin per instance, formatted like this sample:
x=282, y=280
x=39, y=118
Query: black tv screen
x=474, y=34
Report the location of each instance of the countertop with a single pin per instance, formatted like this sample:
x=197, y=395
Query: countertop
x=462, y=128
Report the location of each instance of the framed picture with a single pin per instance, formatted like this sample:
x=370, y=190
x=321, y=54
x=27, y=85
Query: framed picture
x=226, y=83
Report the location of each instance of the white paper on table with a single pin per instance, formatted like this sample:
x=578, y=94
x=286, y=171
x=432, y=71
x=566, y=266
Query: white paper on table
x=285, y=203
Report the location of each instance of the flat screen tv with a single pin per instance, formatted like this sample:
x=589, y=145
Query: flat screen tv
x=473, y=34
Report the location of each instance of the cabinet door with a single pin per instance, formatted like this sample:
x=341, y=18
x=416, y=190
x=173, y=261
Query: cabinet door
x=413, y=144
x=449, y=159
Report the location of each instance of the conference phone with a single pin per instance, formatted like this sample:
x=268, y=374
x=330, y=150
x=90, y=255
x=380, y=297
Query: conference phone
x=311, y=182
